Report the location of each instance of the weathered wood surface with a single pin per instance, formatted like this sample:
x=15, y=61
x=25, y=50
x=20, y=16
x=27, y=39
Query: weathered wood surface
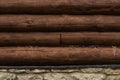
x=58, y=55
x=59, y=39
x=59, y=23
x=29, y=39
x=91, y=38
x=60, y=6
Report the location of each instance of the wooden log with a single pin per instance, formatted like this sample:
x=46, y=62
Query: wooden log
x=60, y=39
x=26, y=56
x=60, y=6
x=29, y=39
x=59, y=23
x=91, y=38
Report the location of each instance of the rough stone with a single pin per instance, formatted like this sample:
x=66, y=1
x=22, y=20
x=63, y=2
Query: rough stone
x=18, y=71
x=39, y=71
x=91, y=70
x=8, y=76
x=112, y=71
x=83, y=76
x=117, y=77
x=66, y=70
x=3, y=70
x=58, y=76
x=30, y=77
x=73, y=76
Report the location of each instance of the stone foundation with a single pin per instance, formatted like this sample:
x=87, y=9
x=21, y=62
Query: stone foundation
x=55, y=74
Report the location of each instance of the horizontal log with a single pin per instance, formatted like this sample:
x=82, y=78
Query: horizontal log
x=32, y=39
x=60, y=39
x=58, y=56
x=59, y=23
x=60, y=6
x=92, y=38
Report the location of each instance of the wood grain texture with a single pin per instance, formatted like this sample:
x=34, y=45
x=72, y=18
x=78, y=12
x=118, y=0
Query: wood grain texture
x=60, y=6
x=29, y=39
x=58, y=55
x=59, y=23
x=92, y=38
x=60, y=39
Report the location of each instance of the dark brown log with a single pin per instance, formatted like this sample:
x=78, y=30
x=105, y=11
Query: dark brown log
x=59, y=23
x=93, y=38
x=60, y=6
x=60, y=39
x=32, y=39
x=58, y=56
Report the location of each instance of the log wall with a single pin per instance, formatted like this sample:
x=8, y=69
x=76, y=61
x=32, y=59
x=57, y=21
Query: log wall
x=60, y=32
